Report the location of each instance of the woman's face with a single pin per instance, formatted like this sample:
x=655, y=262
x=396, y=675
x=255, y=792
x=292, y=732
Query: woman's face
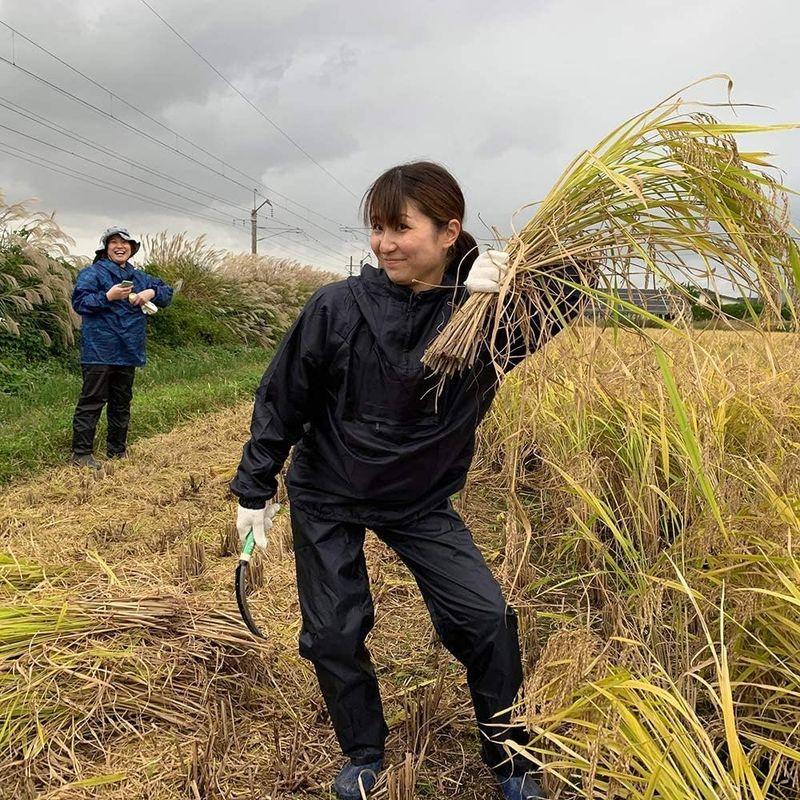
x=415, y=249
x=119, y=251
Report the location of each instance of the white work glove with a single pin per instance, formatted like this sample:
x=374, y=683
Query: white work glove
x=142, y=299
x=259, y=520
x=487, y=271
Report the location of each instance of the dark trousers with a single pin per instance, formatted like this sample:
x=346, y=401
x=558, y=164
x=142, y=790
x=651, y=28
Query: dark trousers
x=103, y=385
x=465, y=604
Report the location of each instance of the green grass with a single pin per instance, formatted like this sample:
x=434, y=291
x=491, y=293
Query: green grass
x=36, y=421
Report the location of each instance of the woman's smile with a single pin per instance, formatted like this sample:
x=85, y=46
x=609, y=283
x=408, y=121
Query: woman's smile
x=413, y=250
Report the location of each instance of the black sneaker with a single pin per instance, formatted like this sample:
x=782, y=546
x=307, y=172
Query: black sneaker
x=87, y=460
x=524, y=787
x=353, y=777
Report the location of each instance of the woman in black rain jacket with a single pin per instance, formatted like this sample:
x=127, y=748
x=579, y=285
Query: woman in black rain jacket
x=377, y=446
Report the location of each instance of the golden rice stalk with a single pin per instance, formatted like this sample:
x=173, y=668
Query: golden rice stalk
x=18, y=576
x=73, y=669
x=229, y=540
x=401, y=780
x=667, y=197
x=192, y=560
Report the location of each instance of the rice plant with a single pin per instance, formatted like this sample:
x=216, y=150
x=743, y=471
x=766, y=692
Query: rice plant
x=75, y=672
x=668, y=196
x=661, y=566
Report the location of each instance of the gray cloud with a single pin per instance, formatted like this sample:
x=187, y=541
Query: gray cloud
x=505, y=95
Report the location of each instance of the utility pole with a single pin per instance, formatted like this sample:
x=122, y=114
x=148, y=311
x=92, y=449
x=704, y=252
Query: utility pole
x=351, y=266
x=254, y=223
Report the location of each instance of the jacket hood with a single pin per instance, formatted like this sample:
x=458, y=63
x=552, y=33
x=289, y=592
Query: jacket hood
x=396, y=315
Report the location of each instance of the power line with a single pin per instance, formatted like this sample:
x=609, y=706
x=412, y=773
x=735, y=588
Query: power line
x=310, y=236
x=133, y=128
x=322, y=249
x=310, y=222
x=324, y=246
x=250, y=102
x=103, y=166
x=54, y=166
x=299, y=205
x=151, y=138
x=283, y=235
x=124, y=124
x=302, y=256
x=113, y=153
x=60, y=169
x=47, y=123
x=113, y=95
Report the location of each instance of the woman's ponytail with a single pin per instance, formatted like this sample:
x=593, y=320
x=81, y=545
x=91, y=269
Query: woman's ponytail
x=464, y=253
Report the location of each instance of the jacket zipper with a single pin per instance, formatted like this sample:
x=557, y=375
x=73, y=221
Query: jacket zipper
x=407, y=342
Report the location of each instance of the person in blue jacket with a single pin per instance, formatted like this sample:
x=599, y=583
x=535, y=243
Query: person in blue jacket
x=111, y=296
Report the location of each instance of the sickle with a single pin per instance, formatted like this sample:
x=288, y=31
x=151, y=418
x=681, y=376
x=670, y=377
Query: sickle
x=241, y=584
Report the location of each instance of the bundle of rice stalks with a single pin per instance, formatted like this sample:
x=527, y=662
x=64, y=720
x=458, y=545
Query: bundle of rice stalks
x=17, y=575
x=75, y=672
x=667, y=196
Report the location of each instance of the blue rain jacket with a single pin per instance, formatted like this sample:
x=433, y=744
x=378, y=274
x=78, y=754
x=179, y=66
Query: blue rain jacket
x=113, y=331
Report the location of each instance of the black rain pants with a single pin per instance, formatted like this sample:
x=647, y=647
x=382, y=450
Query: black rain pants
x=465, y=604
x=103, y=385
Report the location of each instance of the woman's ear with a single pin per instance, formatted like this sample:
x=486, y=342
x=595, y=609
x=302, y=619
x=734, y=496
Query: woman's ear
x=451, y=232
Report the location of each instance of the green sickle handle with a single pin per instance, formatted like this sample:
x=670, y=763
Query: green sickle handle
x=249, y=546
x=240, y=583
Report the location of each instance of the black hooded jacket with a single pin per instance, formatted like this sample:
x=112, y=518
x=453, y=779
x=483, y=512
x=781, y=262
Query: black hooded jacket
x=374, y=442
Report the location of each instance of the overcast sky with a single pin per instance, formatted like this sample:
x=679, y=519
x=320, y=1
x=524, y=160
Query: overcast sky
x=504, y=94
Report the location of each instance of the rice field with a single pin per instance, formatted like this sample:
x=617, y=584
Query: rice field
x=638, y=499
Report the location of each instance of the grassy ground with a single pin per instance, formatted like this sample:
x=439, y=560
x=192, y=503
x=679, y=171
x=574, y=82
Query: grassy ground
x=176, y=385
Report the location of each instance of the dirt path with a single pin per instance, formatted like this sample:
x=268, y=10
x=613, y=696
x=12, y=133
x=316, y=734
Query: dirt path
x=131, y=527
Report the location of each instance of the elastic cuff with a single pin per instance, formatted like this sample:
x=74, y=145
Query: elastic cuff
x=361, y=761
x=253, y=502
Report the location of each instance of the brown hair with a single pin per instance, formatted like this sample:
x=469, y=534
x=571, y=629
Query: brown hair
x=438, y=196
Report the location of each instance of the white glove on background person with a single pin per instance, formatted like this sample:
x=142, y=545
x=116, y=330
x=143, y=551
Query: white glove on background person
x=487, y=271
x=257, y=519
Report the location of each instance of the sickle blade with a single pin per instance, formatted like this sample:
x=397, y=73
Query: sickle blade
x=241, y=599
